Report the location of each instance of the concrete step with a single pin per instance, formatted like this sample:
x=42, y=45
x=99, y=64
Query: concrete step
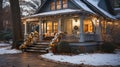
x=38, y=51
x=40, y=46
x=37, y=48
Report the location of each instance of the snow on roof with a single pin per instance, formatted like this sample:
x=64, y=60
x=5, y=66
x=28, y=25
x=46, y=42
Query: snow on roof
x=83, y=6
x=95, y=3
x=56, y=12
x=116, y=8
x=118, y=16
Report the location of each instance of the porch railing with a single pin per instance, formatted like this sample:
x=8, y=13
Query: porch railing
x=70, y=38
x=90, y=37
x=76, y=38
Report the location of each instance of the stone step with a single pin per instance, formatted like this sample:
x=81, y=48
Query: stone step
x=40, y=46
x=37, y=48
x=38, y=51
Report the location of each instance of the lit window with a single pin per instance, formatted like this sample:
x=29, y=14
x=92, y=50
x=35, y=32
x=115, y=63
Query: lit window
x=55, y=26
x=65, y=5
x=58, y=4
x=88, y=27
x=52, y=6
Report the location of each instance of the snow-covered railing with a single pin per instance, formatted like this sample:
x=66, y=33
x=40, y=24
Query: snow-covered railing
x=32, y=38
x=56, y=38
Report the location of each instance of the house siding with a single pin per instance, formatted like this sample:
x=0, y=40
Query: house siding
x=72, y=5
x=45, y=7
x=103, y=5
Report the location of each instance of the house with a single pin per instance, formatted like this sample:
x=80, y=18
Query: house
x=83, y=22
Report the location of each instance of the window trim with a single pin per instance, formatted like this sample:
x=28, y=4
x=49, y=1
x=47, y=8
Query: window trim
x=52, y=6
x=66, y=3
x=60, y=5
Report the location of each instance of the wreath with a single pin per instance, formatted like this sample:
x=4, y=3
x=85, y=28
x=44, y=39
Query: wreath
x=75, y=27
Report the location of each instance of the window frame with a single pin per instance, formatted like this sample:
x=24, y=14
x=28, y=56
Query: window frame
x=52, y=6
x=64, y=4
x=58, y=4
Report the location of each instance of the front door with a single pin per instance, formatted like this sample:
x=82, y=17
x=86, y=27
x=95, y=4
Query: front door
x=67, y=26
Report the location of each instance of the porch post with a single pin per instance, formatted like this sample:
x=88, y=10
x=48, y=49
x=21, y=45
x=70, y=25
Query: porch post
x=98, y=30
x=59, y=25
x=81, y=28
x=40, y=30
x=25, y=29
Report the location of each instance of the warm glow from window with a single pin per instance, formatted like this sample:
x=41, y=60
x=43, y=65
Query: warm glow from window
x=65, y=5
x=88, y=27
x=49, y=27
x=55, y=26
x=58, y=4
x=52, y=6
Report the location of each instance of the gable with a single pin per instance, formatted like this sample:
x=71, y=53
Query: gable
x=47, y=6
x=107, y=6
x=102, y=5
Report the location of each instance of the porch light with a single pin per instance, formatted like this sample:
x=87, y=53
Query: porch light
x=75, y=18
x=98, y=20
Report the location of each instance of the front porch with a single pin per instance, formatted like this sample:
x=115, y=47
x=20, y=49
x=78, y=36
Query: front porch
x=75, y=27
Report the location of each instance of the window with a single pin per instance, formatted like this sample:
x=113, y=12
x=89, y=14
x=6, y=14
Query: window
x=65, y=5
x=55, y=27
x=58, y=4
x=52, y=6
x=88, y=27
x=116, y=3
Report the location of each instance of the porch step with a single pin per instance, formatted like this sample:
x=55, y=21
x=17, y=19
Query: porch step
x=40, y=47
x=37, y=51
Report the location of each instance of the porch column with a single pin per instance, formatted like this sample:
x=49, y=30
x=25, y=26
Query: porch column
x=40, y=30
x=98, y=30
x=82, y=28
x=25, y=29
x=59, y=25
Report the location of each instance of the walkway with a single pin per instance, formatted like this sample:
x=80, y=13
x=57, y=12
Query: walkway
x=26, y=60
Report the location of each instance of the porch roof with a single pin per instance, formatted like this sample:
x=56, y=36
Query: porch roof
x=56, y=12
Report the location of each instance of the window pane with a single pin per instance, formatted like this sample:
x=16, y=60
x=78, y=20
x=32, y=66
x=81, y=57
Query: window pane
x=55, y=26
x=52, y=6
x=88, y=27
x=65, y=4
x=58, y=4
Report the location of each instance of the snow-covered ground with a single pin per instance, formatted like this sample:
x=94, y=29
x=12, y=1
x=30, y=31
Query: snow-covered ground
x=7, y=49
x=4, y=44
x=95, y=59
